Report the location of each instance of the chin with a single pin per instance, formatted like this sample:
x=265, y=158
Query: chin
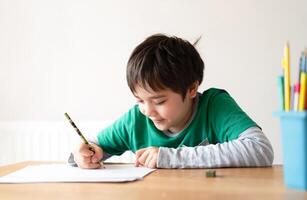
x=161, y=127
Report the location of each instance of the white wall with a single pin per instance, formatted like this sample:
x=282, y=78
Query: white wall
x=69, y=56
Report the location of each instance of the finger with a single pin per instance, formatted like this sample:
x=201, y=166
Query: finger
x=143, y=157
x=139, y=152
x=84, y=150
x=98, y=153
x=153, y=163
x=138, y=162
x=79, y=159
x=83, y=159
x=147, y=161
x=151, y=159
x=137, y=156
x=89, y=165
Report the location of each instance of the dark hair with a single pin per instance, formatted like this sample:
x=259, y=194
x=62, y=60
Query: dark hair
x=162, y=62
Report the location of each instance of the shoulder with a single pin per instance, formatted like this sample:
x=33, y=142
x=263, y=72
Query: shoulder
x=218, y=101
x=210, y=96
x=131, y=116
x=213, y=91
x=224, y=114
x=125, y=124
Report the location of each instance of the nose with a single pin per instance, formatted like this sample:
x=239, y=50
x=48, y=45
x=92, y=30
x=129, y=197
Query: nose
x=148, y=109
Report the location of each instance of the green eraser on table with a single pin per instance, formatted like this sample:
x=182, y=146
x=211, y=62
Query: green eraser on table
x=210, y=173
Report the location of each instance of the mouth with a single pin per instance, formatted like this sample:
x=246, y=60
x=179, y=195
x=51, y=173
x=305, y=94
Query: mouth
x=157, y=121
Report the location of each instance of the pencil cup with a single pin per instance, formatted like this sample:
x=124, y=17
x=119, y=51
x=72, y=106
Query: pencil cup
x=294, y=147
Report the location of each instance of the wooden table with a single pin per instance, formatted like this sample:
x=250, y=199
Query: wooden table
x=230, y=183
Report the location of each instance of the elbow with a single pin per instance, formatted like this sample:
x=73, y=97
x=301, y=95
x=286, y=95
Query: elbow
x=270, y=154
x=260, y=154
x=265, y=154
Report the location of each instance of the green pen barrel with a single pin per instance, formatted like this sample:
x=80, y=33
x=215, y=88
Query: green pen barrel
x=294, y=147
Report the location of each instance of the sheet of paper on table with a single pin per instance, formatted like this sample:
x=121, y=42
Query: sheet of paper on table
x=64, y=173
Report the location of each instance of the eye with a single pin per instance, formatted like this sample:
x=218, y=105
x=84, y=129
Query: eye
x=138, y=101
x=160, y=102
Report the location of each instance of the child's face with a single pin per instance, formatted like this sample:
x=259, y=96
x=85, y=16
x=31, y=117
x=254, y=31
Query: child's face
x=166, y=109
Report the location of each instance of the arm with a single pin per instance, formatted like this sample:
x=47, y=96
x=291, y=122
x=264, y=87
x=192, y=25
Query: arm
x=250, y=149
x=114, y=139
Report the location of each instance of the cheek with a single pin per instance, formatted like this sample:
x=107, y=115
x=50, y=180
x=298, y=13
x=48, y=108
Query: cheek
x=167, y=111
x=176, y=110
x=141, y=109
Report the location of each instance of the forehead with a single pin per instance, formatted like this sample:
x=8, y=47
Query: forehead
x=148, y=93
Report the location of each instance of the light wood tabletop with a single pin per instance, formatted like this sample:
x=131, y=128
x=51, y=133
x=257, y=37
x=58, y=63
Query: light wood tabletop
x=230, y=183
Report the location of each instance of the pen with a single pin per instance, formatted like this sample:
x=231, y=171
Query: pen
x=79, y=132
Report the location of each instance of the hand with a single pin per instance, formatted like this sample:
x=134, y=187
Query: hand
x=87, y=159
x=147, y=157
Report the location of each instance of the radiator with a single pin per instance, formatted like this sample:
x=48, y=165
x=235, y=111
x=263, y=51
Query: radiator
x=46, y=141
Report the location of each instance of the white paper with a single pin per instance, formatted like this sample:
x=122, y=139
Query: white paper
x=65, y=173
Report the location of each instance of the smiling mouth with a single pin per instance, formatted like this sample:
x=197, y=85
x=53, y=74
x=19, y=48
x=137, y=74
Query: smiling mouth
x=157, y=121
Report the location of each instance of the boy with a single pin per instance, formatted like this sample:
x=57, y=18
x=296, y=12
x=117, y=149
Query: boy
x=172, y=125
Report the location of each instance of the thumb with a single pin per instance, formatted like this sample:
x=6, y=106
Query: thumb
x=98, y=153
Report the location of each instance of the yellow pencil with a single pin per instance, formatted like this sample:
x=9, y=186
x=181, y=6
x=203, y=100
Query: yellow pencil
x=79, y=132
x=82, y=137
x=301, y=106
x=286, y=66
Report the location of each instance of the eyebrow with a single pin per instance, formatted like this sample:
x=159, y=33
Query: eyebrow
x=153, y=97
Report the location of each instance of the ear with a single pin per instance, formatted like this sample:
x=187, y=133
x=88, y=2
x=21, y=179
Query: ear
x=193, y=89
